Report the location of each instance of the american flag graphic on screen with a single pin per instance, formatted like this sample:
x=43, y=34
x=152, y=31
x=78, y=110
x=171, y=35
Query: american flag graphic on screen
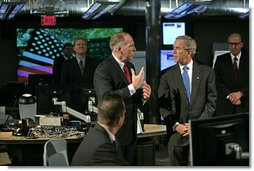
x=39, y=54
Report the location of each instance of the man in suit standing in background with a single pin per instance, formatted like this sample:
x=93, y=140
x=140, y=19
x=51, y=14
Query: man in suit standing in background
x=232, y=78
x=77, y=75
x=117, y=74
x=100, y=146
x=79, y=70
x=58, y=62
x=186, y=91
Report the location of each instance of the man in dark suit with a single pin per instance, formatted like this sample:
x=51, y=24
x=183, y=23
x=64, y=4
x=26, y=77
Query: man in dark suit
x=79, y=70
x=233, y=89
x=58, y=62
x=110, y=77
x=180, y=103
x=100, y=146
x=77, y=75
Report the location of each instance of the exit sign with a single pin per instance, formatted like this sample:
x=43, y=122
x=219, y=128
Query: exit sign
x=47, y=20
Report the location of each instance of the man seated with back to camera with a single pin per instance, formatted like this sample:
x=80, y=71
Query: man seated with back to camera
x=100, y=146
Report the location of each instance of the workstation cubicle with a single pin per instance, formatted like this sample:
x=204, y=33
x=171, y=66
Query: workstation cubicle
x=27, y=151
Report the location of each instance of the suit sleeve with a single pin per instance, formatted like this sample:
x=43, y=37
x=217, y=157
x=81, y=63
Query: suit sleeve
x=166, y=107
x=164, y=97
x=103, y=83
x=64, y=74
x=211, y=97
x=219, y=81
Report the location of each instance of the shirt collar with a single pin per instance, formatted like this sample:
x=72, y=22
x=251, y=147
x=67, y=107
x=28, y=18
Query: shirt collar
x=111, y=136
x=64, y=56
x=83, y=59
x=189, y=65
x=238, y=56
x=118, y=61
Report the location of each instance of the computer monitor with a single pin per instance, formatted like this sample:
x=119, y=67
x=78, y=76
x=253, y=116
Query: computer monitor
x=220, y=141
x=79, y=98
x=35, y=80
x=171, y=30
x=10, y=93
x=45, y=95
x=166, y=59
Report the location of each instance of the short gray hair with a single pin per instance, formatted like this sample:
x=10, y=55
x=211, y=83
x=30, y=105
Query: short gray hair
x=190, y=43
x=117, y=40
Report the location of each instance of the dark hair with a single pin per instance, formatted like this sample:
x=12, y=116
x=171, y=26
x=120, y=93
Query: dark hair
x=110, y=107
x=67, y=44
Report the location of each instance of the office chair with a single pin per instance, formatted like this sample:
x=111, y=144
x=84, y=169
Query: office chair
x=55, y=153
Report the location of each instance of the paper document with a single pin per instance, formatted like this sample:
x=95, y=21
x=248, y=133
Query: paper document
x=140, y=116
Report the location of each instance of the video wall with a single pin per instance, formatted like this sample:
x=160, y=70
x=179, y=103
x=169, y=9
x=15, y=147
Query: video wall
x=37, y=48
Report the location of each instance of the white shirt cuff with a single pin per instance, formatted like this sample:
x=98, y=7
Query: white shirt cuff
x=131, y=89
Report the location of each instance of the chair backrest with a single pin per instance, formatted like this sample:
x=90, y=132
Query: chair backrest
x=55, y=153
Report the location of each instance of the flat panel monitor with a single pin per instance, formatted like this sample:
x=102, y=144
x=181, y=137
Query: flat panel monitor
x=45, y=95
x=220, y=141
x=35, y=80
x=80, y=97
x=166, y=59
x=10, y=93
x=171, y=30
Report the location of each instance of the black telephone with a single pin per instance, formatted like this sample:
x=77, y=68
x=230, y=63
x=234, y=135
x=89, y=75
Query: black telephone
x=23, y=129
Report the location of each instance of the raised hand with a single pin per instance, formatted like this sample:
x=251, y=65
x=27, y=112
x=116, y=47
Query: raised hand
x=137, y=80
x=146, y=91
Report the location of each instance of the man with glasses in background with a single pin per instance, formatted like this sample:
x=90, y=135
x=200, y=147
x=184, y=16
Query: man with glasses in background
x=232, y=78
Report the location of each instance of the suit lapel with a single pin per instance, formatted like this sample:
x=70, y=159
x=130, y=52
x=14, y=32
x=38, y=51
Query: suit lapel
x=119, y=70
x=242, y=66
x=178, y=80
x=196, y=77
x=77, y=68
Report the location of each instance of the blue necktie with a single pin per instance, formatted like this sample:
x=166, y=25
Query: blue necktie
x=186, y=81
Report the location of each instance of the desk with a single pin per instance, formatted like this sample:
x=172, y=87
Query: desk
x=151, y=130
x=28, y=152
x=8, y=138
x=31, y=150
x=146, y=146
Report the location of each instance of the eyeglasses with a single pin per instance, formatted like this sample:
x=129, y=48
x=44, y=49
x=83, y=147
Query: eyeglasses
x=234, y=43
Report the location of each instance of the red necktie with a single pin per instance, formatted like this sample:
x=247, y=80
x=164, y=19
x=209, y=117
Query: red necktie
x=127, y=73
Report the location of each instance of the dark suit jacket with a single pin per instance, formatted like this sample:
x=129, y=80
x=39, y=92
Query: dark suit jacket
x=57, y=69
x=71, y=74
x=96, y=149
x=225, y=84
x=109, y=77
x=173, y=101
